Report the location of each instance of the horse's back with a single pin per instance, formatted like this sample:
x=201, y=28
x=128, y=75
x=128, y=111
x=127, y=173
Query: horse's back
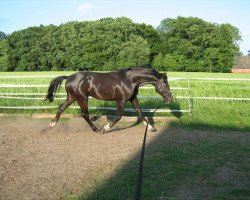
x=96, y=77
x=104, y=86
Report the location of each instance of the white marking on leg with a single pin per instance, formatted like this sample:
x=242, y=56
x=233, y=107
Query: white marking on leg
x=106, y=127
x=52, y=124
x=149, y=126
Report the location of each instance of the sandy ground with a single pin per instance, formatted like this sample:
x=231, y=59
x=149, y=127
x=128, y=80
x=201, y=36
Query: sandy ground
x=41, y=163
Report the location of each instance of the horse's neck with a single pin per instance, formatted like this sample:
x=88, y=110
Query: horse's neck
x=140, y=79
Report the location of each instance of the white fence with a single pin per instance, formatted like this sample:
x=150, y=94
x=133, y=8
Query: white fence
x=26, y=96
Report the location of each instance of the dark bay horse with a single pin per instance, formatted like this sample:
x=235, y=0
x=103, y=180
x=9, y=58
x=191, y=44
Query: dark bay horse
x=120, y=86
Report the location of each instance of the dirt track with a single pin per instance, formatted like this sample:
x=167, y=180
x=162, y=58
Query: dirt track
x=42, y=163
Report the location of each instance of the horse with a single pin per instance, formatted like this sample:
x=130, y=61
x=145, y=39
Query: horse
x=119, y=86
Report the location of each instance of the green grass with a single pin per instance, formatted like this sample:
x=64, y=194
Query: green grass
x=181, y=164
x=216, y=113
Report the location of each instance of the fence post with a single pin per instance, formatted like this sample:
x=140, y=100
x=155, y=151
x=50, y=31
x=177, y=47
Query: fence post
x=190, y=100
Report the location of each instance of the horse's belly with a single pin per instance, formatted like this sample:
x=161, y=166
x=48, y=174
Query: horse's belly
x=106, y=98
x=110, y=93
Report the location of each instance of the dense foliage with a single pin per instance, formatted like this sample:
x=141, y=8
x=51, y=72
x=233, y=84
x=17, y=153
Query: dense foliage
x=191, y=44
x=182, y=44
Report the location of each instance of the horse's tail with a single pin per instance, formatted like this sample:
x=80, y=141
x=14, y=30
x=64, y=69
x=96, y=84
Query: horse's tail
x=54, y=87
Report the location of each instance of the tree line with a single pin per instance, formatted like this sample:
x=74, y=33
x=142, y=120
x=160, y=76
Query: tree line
x=181, y=44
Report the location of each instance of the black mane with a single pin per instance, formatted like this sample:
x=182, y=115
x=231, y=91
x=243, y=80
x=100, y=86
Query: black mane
x=143, y=67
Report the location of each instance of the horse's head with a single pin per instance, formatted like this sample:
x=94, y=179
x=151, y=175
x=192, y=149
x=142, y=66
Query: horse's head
x=163, y=88
x=144, y=75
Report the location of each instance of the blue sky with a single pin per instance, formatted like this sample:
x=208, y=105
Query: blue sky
x=20, y=14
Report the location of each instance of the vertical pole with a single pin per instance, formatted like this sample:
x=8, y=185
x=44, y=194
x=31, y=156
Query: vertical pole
x=189, y=100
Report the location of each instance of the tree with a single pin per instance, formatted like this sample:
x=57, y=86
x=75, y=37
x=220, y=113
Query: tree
x=4, y=55
x=134, y=52
x=159, y=62
x=200, y=45
x=2, y=35
x=228, y=47
x=182, y=44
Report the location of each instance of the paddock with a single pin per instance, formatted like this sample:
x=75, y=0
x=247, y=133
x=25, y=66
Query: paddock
x=42, y=163
x=201, y=157
x=68, y=160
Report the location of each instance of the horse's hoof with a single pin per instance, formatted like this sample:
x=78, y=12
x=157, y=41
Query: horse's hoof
x=96, y=130
x=153, y=129
x=105, y=128
x=52, y=124
x=103, y=131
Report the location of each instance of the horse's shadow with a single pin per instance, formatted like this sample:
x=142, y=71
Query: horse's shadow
x=138, y=121
x=174, y=106
x=114, y=129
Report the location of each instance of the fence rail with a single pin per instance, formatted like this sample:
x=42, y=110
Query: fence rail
x=27, y=96
x=23, y=96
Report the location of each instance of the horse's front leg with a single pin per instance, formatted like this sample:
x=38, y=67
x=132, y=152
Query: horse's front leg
x=84, y=113
x=137, y=107
x=120, y=109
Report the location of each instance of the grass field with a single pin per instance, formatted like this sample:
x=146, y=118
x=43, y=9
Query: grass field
x=216, y=113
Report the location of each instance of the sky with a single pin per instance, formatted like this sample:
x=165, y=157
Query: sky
x=20, y=14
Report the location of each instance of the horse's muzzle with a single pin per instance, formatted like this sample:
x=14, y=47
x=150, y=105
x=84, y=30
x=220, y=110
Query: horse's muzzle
x=169, y=98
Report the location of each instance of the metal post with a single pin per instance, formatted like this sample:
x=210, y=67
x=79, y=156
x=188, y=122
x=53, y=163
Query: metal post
x=190, y=100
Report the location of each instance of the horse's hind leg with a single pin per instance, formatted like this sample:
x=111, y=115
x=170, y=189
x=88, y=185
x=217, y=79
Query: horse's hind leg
x=61, y=108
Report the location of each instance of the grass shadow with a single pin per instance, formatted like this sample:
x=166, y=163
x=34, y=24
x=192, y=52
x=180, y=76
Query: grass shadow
x=184, y=163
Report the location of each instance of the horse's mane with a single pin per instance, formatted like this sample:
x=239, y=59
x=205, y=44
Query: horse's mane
x=143, y=67
x=140, y=68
